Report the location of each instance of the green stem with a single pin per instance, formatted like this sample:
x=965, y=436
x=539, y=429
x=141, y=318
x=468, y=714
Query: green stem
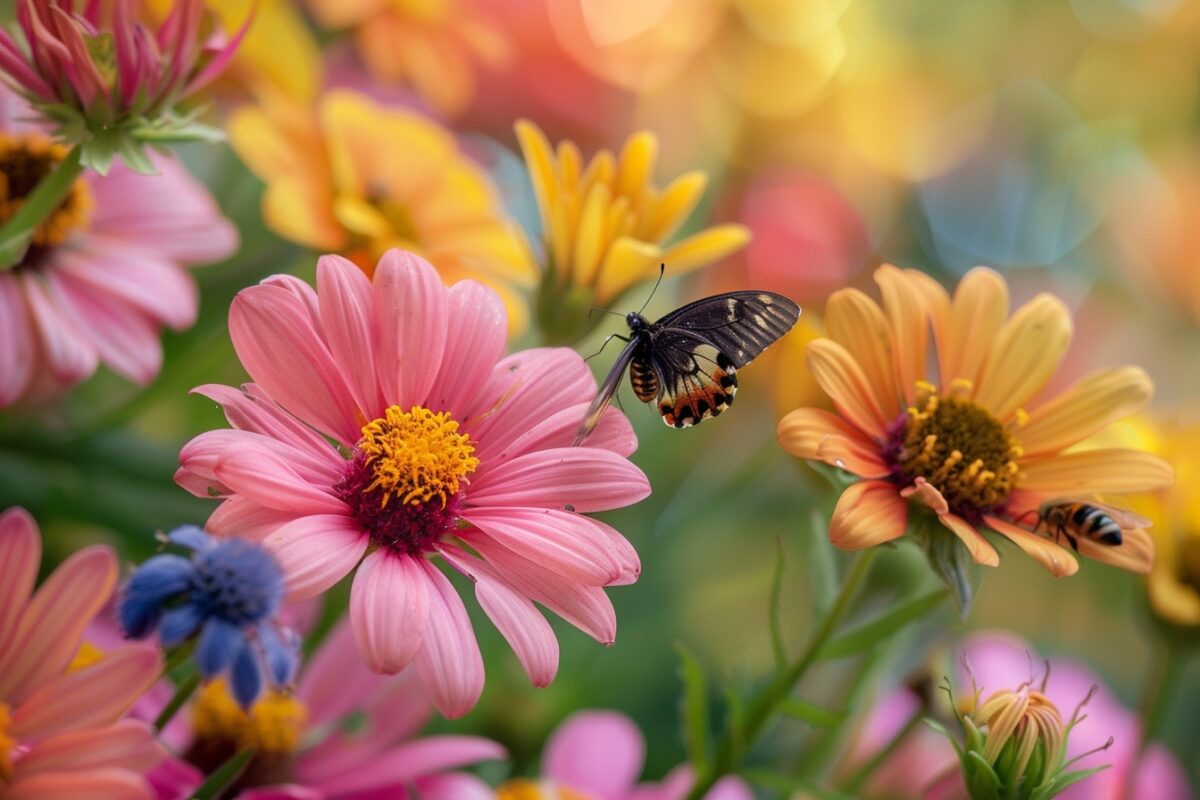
x=17, y=233
x=767, y=702
x=184, y=691
x=1159, y=689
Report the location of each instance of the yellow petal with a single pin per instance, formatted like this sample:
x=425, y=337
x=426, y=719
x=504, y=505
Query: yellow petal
x=678, y=200
x=809, y=432
x=1171, y=598
x=344, y=13
x=855, y=322
x=1088, y=407
x=868, y=513
x=636, y=163
x=301, y=212
x=267, y=144
x=706, y=247
x=1054, y=558
x=570, y=166
x=1025, y=353
x=842, y=379
x=589, y=237
x=601, y=170
x=904, y=307
x=979, y=548
x=278, y=52
x=1088, y=472
x=976, y=316
x=539, y=160
x=358, y=216
x=628, y=261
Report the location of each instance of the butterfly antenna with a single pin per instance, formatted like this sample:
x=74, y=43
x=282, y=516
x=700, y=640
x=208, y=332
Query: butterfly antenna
x=603, y=311
x=662, y=268
x=608, y=339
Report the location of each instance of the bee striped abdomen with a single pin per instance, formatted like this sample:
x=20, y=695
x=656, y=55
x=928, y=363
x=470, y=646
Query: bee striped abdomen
x=1096, y=525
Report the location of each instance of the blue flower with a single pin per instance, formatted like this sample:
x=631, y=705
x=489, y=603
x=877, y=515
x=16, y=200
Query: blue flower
x=226, y=595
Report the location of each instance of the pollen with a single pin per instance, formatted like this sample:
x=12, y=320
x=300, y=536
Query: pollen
x=959, y=447
x=525, y=789
x=271, y=726
x=416, y=457
x=24, y=161
x=87, y=655
x=7, y=744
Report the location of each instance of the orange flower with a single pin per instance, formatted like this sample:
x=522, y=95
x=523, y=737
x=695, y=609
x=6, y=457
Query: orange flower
x=967, y=450
x=359, y=179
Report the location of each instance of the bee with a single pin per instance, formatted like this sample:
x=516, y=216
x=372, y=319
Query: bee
x=1076, y=519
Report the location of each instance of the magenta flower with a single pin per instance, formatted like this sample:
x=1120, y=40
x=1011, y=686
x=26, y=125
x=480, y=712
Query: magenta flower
x=61, y=732
x=106, y=81
x=441, y=448
x=599, y=755
x=104, y=272
x=306, y=749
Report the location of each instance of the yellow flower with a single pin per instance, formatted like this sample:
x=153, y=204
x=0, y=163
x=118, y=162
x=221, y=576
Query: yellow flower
x=967, y=450
x=605, y=224
x=434, y=46
x=355, y=178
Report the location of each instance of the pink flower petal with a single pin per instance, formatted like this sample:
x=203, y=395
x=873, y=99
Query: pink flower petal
x=449, y=662
x=348, y=319
x=104, y=783
x=477, y=327
x=128, y=744
x=53, y=623
x=142, y=279
x=515, y=616
x=585, y=478
x=17, y=352
x=411, y=303
x=324, y=686
x=1161, y=776
x=250, y=409
x=85, y=698
x=20, y=554
x=453, y=786
x=425, y=756
x=613, y=432
x=597, y=752
x=205, y=452
x=242, y=517
x=316, y=552
x=203, y=486
x=70, y=357
x=266, y=478
x=276, y=341
x=389, y=609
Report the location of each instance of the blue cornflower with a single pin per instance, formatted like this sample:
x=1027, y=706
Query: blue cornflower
x=228, y=592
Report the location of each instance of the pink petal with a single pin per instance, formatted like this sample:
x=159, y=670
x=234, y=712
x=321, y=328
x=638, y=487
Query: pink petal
x=20, y=554
x=250, y=409
x=70, y=356
x=477, y=326
x=425, y=756
x=205, y=452
x=348, y=319
x=453, y=786
x=316, y=552
x=596, y=752
x=266, y=478
x=105, y=783
x=128, y=744
x=53, y=623
x=95, y=695
x=570, y=544
x=449, y=662
x=286, y=791
x=324, y=686
x=275, y=338
x=586, y=607
x=411, y=303
x=242, y=517
x=1161, y=776
x=17, y=352
x=143, y=280
x=202, y=486
x=585, y=478
x=389, y=609
x=613, y=432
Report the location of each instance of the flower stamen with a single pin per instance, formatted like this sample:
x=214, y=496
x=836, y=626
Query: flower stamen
x=416, y=456
x=24, y=161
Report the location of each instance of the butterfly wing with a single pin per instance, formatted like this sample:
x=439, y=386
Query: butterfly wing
x=696, y=380
x=604, y=396
x=739, y=324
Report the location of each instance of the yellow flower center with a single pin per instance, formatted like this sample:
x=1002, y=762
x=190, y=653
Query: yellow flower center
x=87, y=655
x=271, y=726
x=7, y=745
x=416, y=456
x=525, y=789
x=961, y=449
x=24, y=160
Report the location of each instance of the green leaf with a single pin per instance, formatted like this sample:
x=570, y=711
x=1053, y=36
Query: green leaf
x=1066, y=779
x=735, y=721
x=777, y=643
x=135, y=157
x=881, y=627
x=695, y=709
x=223, y=776
x=813, y=715
x=950, y=561
x=822, y=568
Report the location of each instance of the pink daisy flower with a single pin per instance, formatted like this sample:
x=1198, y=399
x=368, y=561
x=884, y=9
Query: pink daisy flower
x=598, y=755
x=384, y=429
x=105, y=271
x=306, y=750
x=61, y=732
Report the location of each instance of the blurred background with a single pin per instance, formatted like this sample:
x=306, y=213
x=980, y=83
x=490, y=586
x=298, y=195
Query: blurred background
x=1057, y=141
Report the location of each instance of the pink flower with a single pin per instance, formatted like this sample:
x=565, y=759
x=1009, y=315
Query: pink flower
x=306, y=750
x=599, y=754
x=443, y=448
x=61, y=732
x=1001, y=661
x=105, y=271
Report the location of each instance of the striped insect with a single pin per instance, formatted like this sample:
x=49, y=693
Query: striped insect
x=687, y=361
x=1087, y=518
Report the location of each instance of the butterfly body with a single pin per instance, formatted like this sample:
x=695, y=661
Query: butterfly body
x=687, y=361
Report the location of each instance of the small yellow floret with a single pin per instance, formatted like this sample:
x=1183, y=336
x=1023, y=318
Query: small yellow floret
x=7, y=744
x=416, y=456
x=272, y=725
x=87, y=655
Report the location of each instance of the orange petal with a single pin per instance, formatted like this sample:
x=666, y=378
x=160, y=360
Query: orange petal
x=903, y=303
x=1050, y=555
x=868, y=513
x=854, y=321
x=937, y=306
x=928, y=495
x=1024, y=354
x=1117, y=470
x=836, y=371
x=816, y=434
x=1135, y=553
x=980, y=549
x=1088, y=407
x=976, y=316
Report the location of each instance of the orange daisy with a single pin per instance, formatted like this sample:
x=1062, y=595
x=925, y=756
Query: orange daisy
x=952, y=433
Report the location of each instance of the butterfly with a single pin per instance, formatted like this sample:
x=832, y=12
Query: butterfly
x=687, y=362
